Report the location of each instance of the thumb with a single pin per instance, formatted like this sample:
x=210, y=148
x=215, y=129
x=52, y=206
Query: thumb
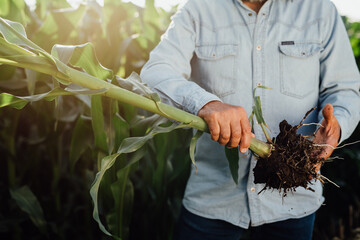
x=328, y=113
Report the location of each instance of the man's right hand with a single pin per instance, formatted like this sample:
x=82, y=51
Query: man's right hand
x=228, y=124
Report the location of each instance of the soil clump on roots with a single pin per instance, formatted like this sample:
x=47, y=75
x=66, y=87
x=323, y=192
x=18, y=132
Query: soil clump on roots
x=292, y=162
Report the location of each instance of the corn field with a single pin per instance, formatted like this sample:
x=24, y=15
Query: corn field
x=78, y=164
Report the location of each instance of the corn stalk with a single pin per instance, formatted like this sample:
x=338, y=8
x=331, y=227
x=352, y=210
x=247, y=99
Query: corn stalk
x=17, y=50
x=43, y=62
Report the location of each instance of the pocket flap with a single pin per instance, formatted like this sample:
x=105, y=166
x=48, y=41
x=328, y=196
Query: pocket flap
x=301, y=50
x=214, y=52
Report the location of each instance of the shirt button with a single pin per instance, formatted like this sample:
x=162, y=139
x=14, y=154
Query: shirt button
x=250, y=14
x=258, y=47
x=252, y=189
x=264, y=14
x=259, y=84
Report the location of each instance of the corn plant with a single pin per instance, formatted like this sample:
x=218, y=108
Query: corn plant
x=85, y=131
x=50, y=146
x=77, y=68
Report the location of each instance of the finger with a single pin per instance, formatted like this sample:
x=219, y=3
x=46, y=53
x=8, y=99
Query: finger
x=326, y=152
x=317, y=170
x=246, y=135
x=235, y=137
x=328, y=113
x=225, y=133
x=214, y=130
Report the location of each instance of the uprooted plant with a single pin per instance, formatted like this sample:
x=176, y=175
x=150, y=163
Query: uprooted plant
x=292, y=162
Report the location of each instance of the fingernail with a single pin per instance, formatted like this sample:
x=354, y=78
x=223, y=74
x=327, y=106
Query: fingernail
x=243, y=150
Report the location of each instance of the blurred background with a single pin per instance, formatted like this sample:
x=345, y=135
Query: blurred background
x=49, y=153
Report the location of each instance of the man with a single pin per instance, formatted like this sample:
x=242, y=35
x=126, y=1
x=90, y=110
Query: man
x=213, y=55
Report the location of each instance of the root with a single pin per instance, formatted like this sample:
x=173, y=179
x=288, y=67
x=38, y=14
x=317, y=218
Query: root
x=348, y=144
x=309, y=124
x=292, y=163
x=325, y=145
x=323, y=177
x=293, y=160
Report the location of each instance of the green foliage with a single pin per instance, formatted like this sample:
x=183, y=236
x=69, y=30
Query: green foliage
x=353, y=29
x=232, y=155
x=55, y=148
x=27, y=202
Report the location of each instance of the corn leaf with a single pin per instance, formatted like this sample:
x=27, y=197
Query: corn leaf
x=14, y=33
x=193, y=142
x=28, y=202
x=80, y=141
x=128, y=145
x=123, y=194
x=18, y=102
x=98, y=123
x=59, y=25
x=133, y=83
x=258, y=111
x=82, y=56
x=4, y=7
x=232, y=155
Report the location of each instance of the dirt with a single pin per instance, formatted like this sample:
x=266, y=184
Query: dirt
x=291, y=163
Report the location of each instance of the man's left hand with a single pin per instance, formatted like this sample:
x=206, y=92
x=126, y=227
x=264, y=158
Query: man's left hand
x=328, y=134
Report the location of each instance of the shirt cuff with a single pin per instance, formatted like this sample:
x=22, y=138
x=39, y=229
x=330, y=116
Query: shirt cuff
x=343, y=132
x=198, y=99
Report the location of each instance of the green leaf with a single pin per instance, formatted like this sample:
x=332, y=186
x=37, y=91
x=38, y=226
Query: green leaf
x=28, y=202
x=129, y=145
x=82, y=56
x=77, y=89
x=123, y=194
x=14, y=33
x=80, y=141
x=134, y=84
x=106, y=164
x=17, y=102
x=12, y=101
x=8, y=100
x=6, y=72
x=4, y=7
x=59, y=26
x=98, y=123
x=193, y=142
x=258, y=111
x=232, y=155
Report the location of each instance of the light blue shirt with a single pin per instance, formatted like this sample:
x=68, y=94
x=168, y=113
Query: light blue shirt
x=221, y=50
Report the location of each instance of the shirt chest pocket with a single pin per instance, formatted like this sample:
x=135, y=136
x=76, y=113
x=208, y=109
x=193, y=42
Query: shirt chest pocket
x=299, y=69
x=214, y=68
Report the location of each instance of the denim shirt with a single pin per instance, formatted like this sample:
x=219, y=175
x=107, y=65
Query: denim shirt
x=221, y=50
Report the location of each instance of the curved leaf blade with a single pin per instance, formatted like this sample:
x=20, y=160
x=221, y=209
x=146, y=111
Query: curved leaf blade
x=193, y=142
x=232, y=155
x=28, y=203
x=129, y=145
x=82, y=56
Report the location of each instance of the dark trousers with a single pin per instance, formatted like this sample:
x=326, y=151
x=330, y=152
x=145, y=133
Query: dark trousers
x=194, y=227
